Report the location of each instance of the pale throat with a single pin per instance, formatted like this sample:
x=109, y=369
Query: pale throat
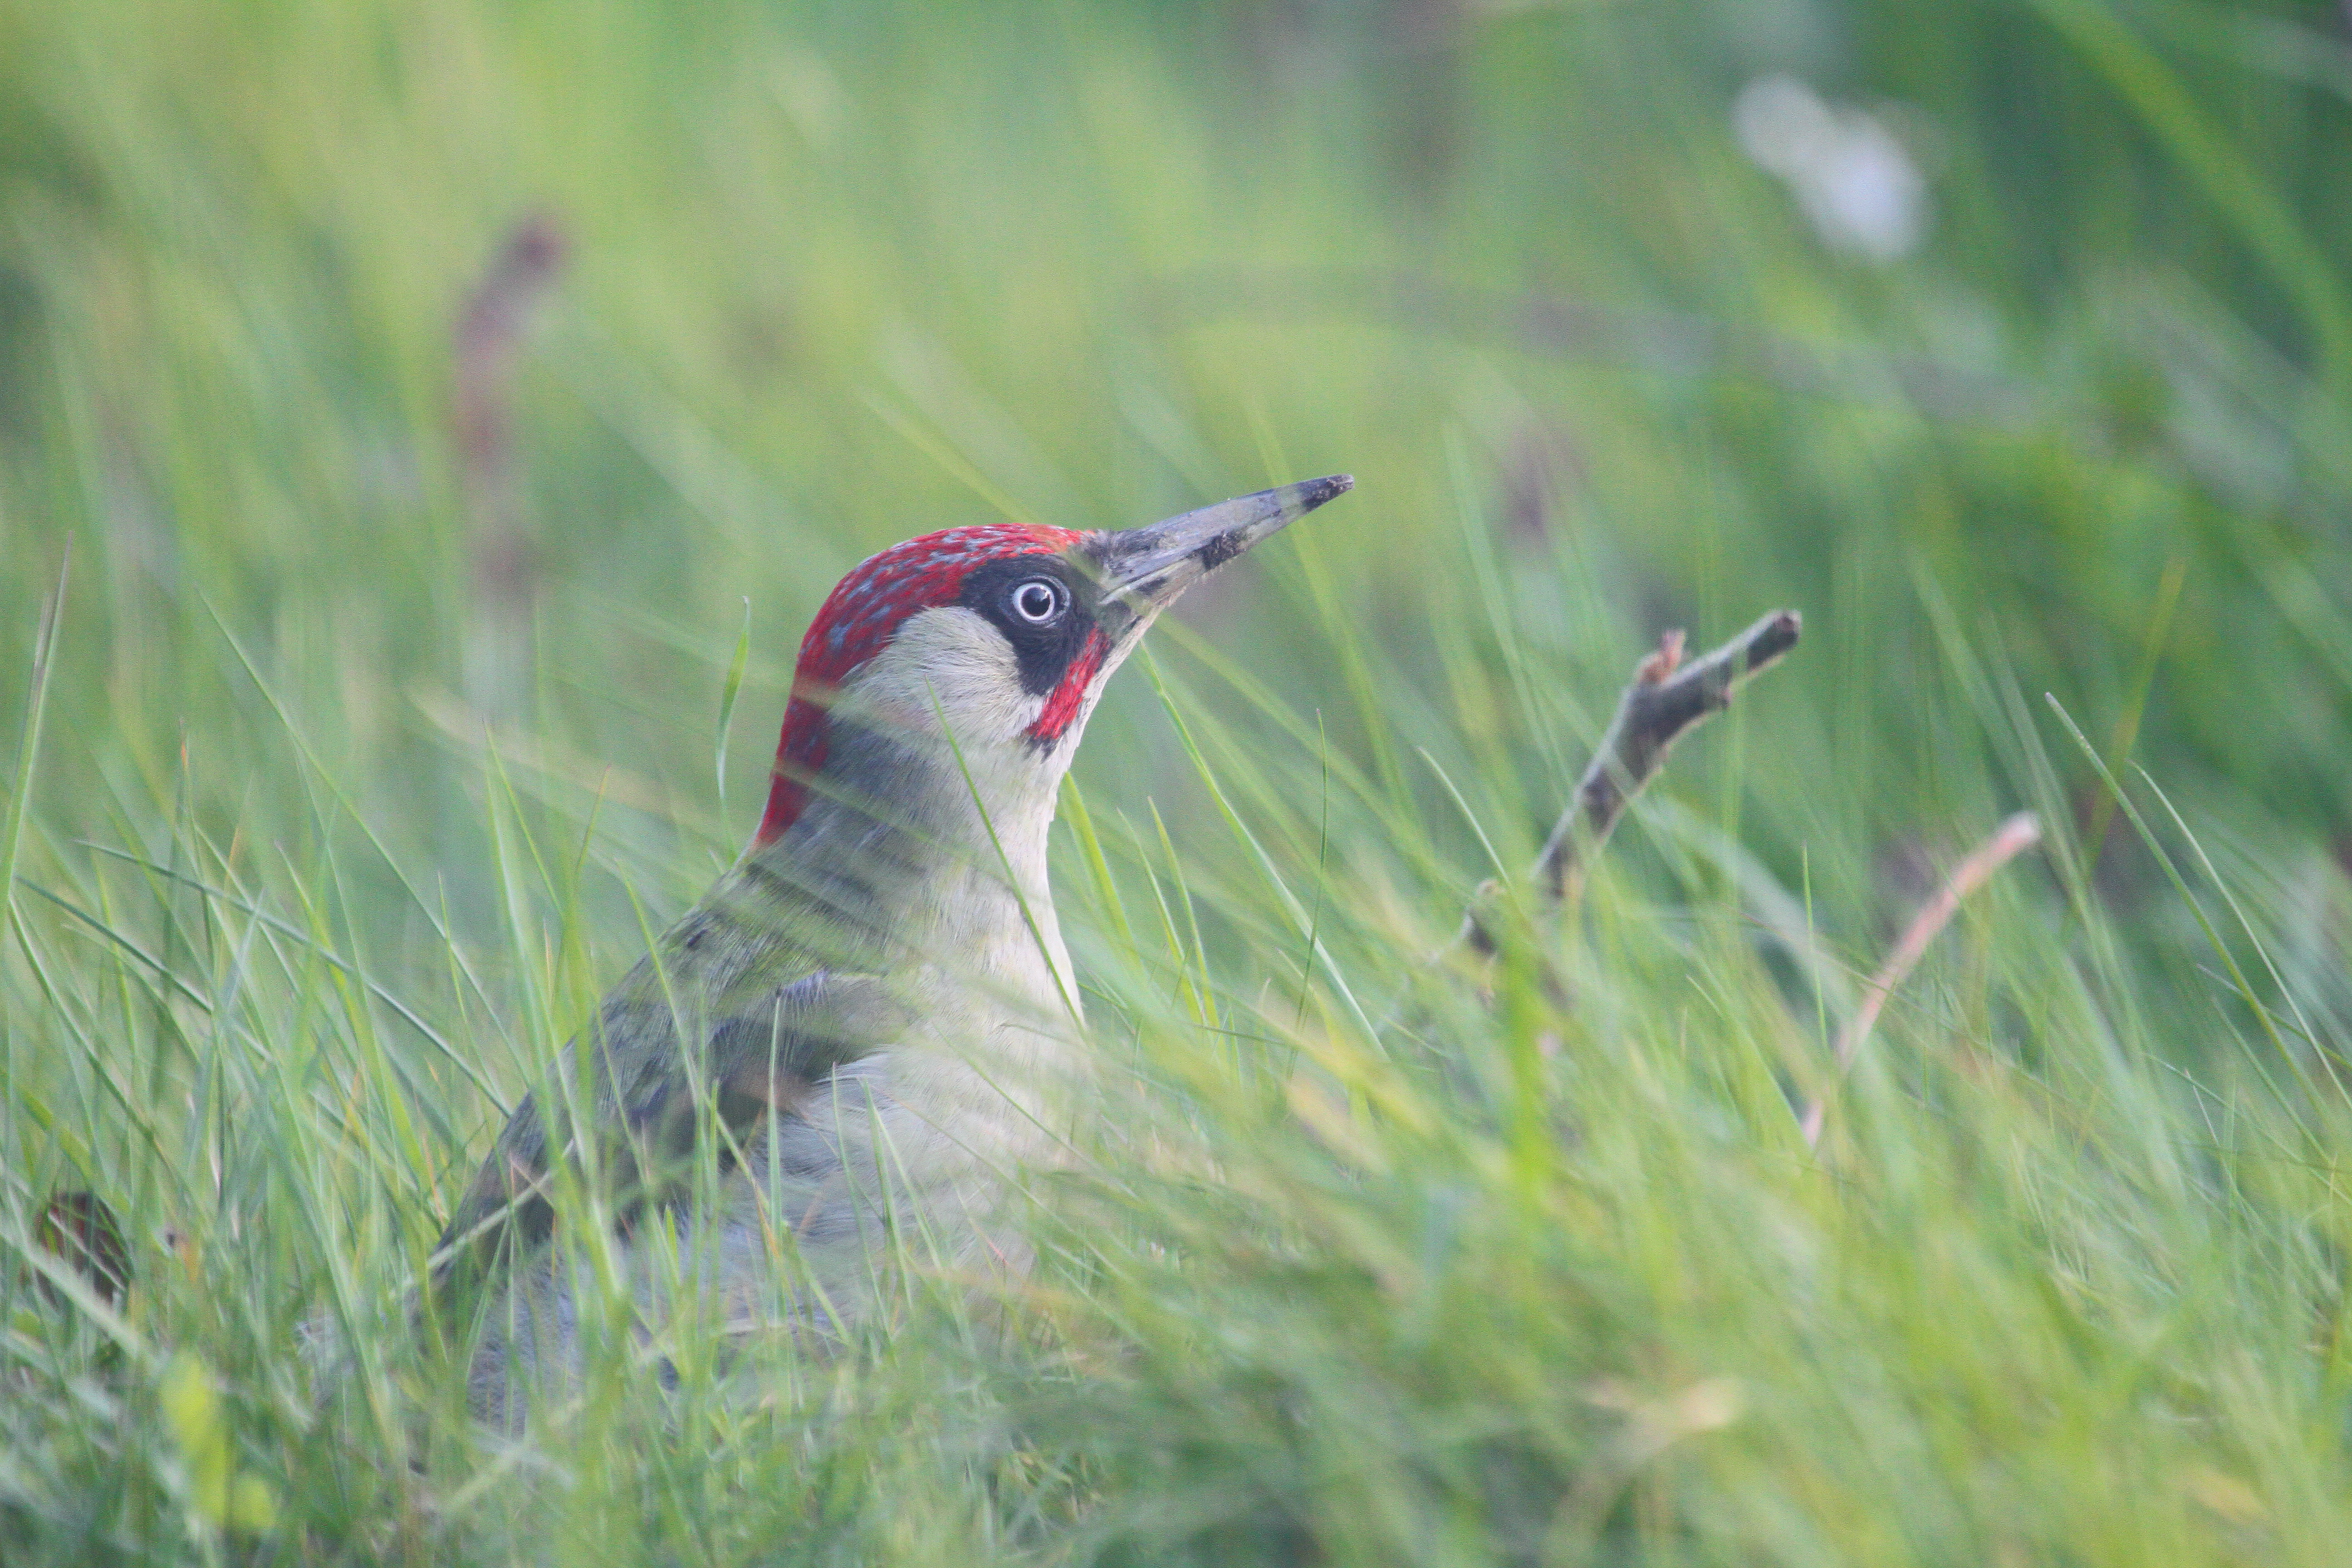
x=950, y=687
x=936, y=728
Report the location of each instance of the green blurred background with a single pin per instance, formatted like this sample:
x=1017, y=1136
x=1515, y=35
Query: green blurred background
x=817, y=278
x=438, y=399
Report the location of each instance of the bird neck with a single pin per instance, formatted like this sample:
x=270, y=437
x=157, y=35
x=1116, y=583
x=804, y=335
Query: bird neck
x=925, y=840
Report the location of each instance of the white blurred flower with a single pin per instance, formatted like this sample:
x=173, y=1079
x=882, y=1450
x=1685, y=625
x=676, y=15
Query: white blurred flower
x=1853, y=178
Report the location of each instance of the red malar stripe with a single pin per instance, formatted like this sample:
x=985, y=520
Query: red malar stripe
x=1070, y=695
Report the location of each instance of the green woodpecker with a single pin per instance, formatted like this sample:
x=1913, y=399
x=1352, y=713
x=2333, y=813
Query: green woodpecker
x=871, y=1019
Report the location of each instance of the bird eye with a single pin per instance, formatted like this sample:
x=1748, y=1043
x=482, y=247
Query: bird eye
x=1038, y=601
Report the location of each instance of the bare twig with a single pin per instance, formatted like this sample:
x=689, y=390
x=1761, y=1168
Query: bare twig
x=2010, y=839
x=1665, y=698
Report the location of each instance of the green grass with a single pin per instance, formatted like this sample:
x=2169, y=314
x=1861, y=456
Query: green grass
x=1349, y=1266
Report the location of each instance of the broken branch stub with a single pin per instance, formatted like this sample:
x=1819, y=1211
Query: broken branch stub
x=1665, y=699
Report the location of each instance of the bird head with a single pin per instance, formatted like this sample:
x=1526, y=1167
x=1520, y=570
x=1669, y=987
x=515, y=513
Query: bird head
x=996, y=638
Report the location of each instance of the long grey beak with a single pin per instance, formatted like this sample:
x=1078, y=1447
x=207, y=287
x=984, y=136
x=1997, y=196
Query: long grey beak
x=1144, y=569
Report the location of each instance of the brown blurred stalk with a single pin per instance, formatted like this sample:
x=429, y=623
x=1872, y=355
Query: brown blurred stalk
x=492, y=333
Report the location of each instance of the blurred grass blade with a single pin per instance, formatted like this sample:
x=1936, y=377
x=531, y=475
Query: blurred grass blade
x=29, y=736
x=2236, y=187
x=2238, y=980
x=727, y=695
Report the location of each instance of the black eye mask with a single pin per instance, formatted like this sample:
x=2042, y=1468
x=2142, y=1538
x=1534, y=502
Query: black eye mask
x=1043, y=650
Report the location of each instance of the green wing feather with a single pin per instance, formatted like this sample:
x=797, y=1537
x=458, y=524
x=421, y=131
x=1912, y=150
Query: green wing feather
x=772, y=980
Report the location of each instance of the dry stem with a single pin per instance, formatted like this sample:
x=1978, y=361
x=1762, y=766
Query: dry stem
x=2010, y=839
x=489, y=337
x=1665, y=698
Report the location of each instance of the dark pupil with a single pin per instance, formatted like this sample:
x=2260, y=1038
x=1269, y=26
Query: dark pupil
x=1034, y=601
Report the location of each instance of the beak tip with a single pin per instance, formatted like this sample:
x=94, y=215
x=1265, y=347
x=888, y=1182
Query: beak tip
x=1309, y=494
x=1158, y=561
